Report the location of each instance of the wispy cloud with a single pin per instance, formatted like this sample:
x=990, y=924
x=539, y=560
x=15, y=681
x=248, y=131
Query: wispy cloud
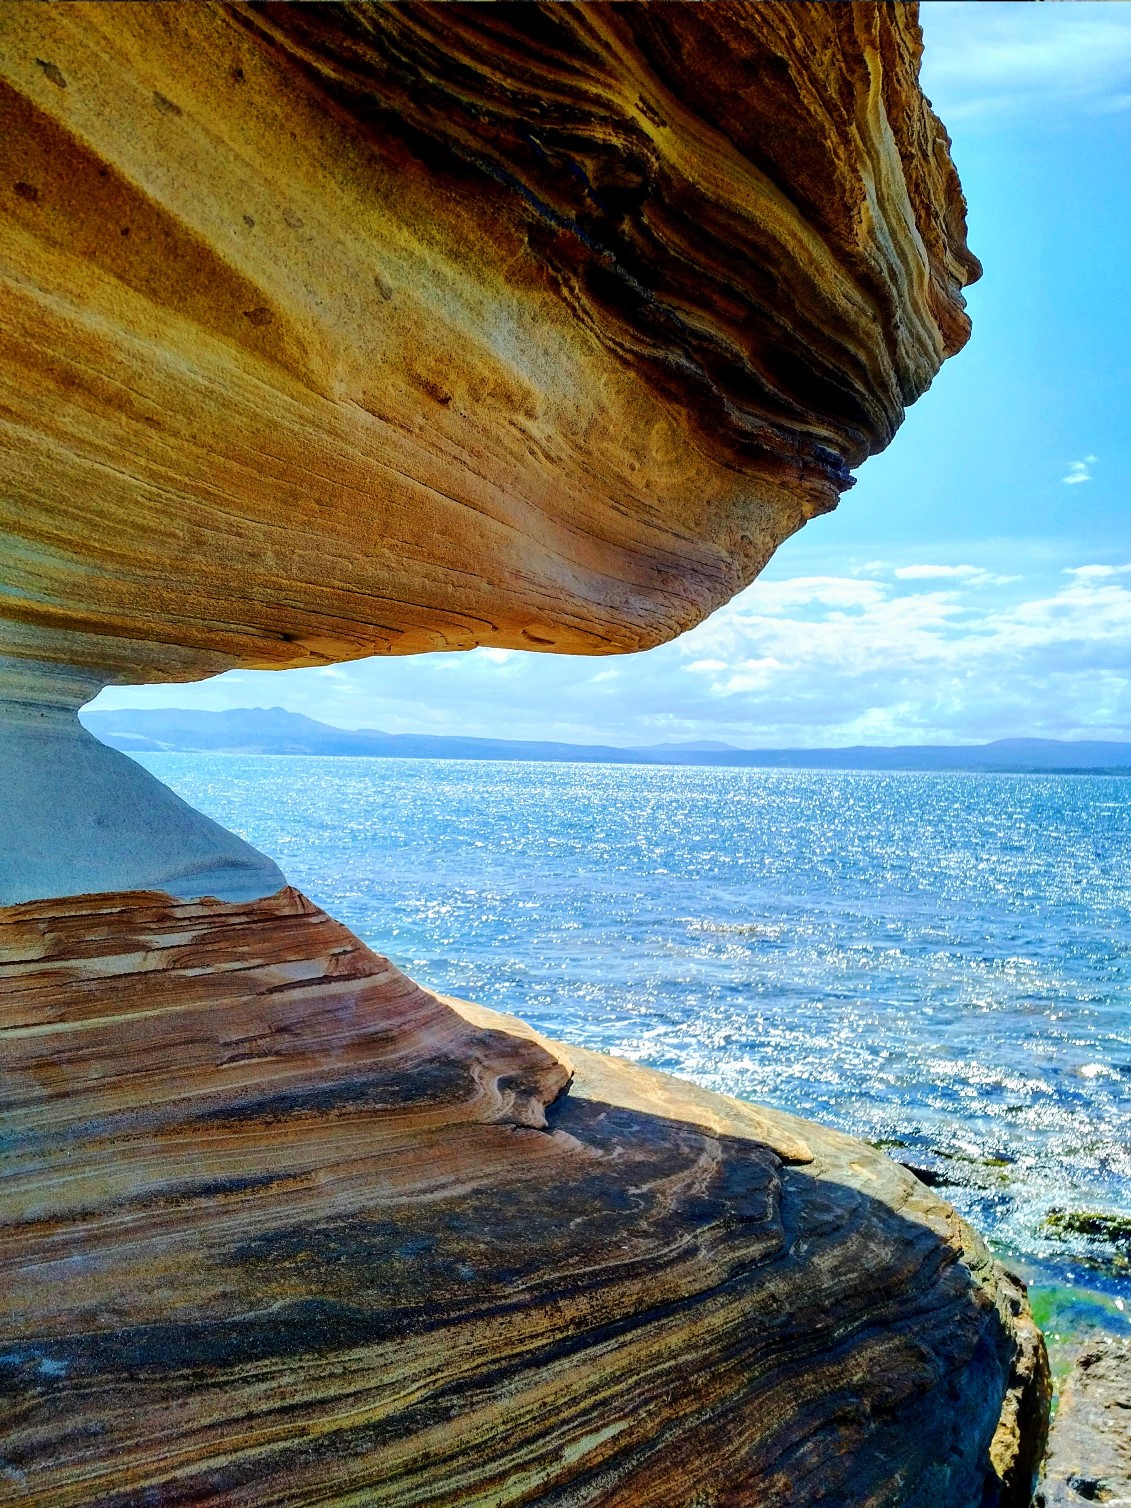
x=969, y=575
x=1080, y=471
x=990, y=59
x=1096, y=572
x=929, y=663
x=817, y=591
x=926, y=654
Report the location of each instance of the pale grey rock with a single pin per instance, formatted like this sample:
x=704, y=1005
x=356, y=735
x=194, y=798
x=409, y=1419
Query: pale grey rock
x=82, y=819
x=1089, y=1458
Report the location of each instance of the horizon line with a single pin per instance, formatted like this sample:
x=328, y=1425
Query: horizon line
x=703, y=743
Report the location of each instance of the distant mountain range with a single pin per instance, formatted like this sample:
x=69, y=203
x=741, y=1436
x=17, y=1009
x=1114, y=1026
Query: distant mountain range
x=257, y=730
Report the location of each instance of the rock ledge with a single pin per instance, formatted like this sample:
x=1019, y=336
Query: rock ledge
x=280, y=1227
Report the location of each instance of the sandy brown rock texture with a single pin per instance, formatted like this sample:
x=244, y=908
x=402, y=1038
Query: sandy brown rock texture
x=1089, y=1459
x=333, y=330
x=279, y=1227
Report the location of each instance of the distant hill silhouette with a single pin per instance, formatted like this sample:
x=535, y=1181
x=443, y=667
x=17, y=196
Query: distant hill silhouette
x=258, y=730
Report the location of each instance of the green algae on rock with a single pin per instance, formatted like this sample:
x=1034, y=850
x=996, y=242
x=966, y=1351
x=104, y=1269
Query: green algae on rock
x=1108, y=1235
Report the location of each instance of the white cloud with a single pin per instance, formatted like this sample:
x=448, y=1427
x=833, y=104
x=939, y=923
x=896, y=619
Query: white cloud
x=851, y=638
x=751, y=675
x=926, y=664
x=909, y=631
x=932, y=572
x=1096, y=572
x=1079, y=471
x=807, y=591
x=933, y=656
x=993, y=58
x=967, y=574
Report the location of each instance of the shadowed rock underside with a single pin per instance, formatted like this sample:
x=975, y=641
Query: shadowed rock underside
x=280, y=1227
x=333, y=330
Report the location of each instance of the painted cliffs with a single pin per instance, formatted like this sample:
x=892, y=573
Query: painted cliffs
x=332, y=330
x=329, y=330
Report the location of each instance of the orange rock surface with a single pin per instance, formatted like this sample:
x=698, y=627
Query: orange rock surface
x=279, y=1227
x=331, y=330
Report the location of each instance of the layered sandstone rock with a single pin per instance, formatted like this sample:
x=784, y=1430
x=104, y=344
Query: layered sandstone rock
x=340, y=329
x=78, y=816
x=280, y=1227
x=333, y=330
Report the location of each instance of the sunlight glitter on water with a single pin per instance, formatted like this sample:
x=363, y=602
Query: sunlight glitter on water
x=939, y=963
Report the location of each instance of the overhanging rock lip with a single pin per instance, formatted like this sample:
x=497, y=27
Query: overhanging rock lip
x=301, y=372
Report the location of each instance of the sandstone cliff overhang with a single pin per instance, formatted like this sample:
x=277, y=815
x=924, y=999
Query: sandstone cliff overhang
x=330, y=330
x=333, y=330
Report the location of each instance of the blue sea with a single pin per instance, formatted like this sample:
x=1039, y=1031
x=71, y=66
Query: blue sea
x=940, y=964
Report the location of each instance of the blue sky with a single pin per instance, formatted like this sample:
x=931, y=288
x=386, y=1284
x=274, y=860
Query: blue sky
x=976, y=583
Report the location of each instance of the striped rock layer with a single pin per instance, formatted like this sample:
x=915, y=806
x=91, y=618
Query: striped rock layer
x=332, y=330
x=279, y=1227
